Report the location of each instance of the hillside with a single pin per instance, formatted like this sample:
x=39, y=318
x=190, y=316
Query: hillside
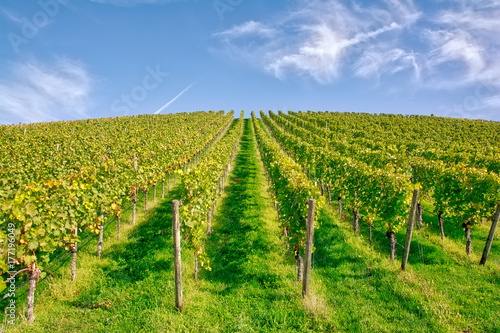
x=251, y=285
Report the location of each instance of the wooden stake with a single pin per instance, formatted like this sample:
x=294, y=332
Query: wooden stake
x=489, y=240
x=392, y=237
x=34, y=274
x=176, y=230
x=355, y=221
x=419, y=214
x=309, y=247
x=441, y=226
x=468, y=246
x=339, y=199
x=409, y=230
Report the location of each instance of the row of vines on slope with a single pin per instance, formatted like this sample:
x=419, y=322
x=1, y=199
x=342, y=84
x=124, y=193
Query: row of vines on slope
x=291, y=188
x=463, y=185
x=201, y=185
x=381, y=195
x=63, y=177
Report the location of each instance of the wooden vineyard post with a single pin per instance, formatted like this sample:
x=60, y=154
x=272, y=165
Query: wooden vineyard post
x=33, y=279
x=409, y=230
x=467, y=228
x=355, y=221
x=441, y=226
x=489, y=240
x=309, y=247
x=392, y=238
x=339, y=199
x=176, y=230
x=419, y=214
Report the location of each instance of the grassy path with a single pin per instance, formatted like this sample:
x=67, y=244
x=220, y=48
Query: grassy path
x=251, y=286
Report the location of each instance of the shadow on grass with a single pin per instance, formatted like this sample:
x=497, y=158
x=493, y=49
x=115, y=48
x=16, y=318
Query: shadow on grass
x=136, y=260
x=147, y=250
x=354, y=279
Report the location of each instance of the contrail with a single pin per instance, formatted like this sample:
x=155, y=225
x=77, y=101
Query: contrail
x=175, y=98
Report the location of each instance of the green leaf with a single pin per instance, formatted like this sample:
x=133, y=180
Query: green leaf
x=31, y=209
x=33, y=244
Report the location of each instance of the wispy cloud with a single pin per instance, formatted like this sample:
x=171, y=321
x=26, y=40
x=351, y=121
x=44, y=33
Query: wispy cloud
x=319, y=39
x=247, y=28
x=468, y=42
x=322, y=58
x=36, y=92
x=453, y=46
x=374, y=63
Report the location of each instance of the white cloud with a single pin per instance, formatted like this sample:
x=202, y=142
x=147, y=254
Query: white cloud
x=39, y=92
x=404, y=11
x=321, y=58
x=455, y=47
x=248, y=28
x=459, y=46
x=319, y=39
x=375, y=63
x=465, y=50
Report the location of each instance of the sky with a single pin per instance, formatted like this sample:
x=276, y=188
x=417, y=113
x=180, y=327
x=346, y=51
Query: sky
x=76, y=59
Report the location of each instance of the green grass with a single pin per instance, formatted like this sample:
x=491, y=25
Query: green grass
x=252, y=288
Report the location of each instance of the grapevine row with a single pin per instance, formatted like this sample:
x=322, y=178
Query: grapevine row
x=201, y=185
x=291, y=187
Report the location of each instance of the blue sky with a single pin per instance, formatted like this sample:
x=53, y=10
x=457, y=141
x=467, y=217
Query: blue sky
x=74, y=59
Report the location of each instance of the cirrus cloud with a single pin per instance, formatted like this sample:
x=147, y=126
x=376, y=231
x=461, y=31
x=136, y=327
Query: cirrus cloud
x=35, y=92
x=456, y=45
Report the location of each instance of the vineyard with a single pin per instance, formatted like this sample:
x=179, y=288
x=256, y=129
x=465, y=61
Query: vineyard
x=296, y=222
